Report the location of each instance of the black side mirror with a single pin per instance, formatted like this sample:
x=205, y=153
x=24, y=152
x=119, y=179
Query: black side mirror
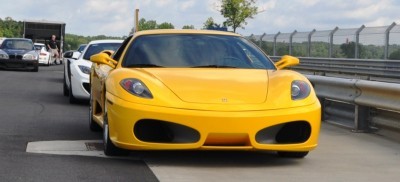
x=68, y=54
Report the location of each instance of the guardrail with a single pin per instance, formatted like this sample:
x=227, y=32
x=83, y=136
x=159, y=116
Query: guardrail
x=363, y=95
x=364, y=69
x=362, y=105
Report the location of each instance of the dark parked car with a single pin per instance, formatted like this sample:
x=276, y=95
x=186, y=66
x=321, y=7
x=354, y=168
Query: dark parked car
x=18, y=53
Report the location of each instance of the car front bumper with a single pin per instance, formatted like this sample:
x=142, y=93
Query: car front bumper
x=210, y=130
x=18, y=64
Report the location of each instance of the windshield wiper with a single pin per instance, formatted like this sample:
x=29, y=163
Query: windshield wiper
x=144, y=66
x=213, y=66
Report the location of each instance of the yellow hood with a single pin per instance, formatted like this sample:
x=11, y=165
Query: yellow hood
x=214, y=86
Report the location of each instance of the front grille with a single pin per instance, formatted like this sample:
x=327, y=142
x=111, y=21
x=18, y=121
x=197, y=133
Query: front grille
x=19, y=57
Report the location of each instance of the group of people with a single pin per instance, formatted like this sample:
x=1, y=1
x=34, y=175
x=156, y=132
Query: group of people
x=53, y=49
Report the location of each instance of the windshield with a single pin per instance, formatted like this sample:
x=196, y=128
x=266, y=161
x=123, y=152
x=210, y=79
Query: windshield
x=38, y=47
x=81, y=47
x=96, y=48
x=17, y=44
x=195, y=50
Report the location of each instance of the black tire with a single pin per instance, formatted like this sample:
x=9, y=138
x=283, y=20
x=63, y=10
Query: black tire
x=292, y=154
x=109, y=148
x=65, y=87
x=92, y=124
x=36, y=68
x=72, y=99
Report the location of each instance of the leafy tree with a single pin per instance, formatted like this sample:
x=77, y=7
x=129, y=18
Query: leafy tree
x=237, y=11
x=348, y=49
x=395, y=55
x=188, y=27
x=210, y=24
x=147, y=25
x=165, y=25
x=151, y=25
x=10, y=28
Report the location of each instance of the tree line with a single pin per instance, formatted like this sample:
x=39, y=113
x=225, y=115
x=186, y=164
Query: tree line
x=321, y=49
x=13, y=28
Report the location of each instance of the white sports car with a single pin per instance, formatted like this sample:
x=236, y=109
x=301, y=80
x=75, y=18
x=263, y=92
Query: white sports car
x=44, y=55
x=76, y=72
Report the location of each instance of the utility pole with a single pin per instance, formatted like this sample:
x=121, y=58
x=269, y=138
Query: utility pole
x=136, y=20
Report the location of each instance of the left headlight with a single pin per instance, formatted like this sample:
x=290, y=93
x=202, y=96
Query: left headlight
x=84, y=69
x=30, y=56
x=136, y=87
x=300, y=90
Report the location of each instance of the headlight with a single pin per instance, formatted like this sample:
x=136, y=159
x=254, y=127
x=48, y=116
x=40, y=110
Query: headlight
x=300, y=90
x=84, y=69
x=30, y=56
x=4, y=56
x=136, y=87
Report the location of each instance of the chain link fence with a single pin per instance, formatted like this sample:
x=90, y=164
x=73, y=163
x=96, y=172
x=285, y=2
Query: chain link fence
x=360, y=43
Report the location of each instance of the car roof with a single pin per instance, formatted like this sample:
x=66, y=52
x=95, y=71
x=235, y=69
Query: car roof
x=184, y=31
x=106, y=41
x=17, y=39
x=41, y=44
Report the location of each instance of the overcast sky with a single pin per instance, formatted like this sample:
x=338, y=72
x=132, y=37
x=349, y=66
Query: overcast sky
x=116, y=17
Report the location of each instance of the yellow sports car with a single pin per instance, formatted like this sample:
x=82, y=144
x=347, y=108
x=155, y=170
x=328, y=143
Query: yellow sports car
x=200, y=90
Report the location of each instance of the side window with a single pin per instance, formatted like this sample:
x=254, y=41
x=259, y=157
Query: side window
x=118, y=53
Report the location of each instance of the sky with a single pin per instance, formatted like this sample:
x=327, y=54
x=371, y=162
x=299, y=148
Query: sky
x=116, y=17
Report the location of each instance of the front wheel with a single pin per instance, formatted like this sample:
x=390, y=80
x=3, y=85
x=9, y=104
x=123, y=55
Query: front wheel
x=65, y=87
x=292, y=154
x=109, y=148
x=72, y=99
x=36, y=69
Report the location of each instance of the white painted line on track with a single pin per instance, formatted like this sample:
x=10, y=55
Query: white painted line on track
x=77, y=147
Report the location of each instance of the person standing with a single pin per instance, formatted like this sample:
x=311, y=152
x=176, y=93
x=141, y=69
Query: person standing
x=52, y=45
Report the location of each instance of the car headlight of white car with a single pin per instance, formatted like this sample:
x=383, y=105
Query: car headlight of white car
x=30, y=56
x=84, y=69
x=3, y=55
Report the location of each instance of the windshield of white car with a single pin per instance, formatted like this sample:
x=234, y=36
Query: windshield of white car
x=17, y=44
x=96, y=48
x=195, y=51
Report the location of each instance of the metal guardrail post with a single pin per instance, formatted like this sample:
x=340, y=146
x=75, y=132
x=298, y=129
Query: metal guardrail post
x=361, y=119
x=387, y=32
x=331, y=41
x=275, y=37
x=291, y=42
x=260, y=43
x=309, y=42
x=357, y=48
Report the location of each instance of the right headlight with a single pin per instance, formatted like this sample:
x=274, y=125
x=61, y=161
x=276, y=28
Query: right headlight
x=300, y=90
x=3, y=55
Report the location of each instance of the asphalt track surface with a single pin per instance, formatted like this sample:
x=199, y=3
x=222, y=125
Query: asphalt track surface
x=34, y=110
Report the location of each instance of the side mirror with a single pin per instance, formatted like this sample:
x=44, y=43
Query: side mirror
x=72, y=54
x=103, y=58
x=68, y=54
x=287, y=61
x=75, y=55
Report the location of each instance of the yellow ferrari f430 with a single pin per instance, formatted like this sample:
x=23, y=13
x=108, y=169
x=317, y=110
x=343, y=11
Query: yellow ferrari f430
x=200, y=90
